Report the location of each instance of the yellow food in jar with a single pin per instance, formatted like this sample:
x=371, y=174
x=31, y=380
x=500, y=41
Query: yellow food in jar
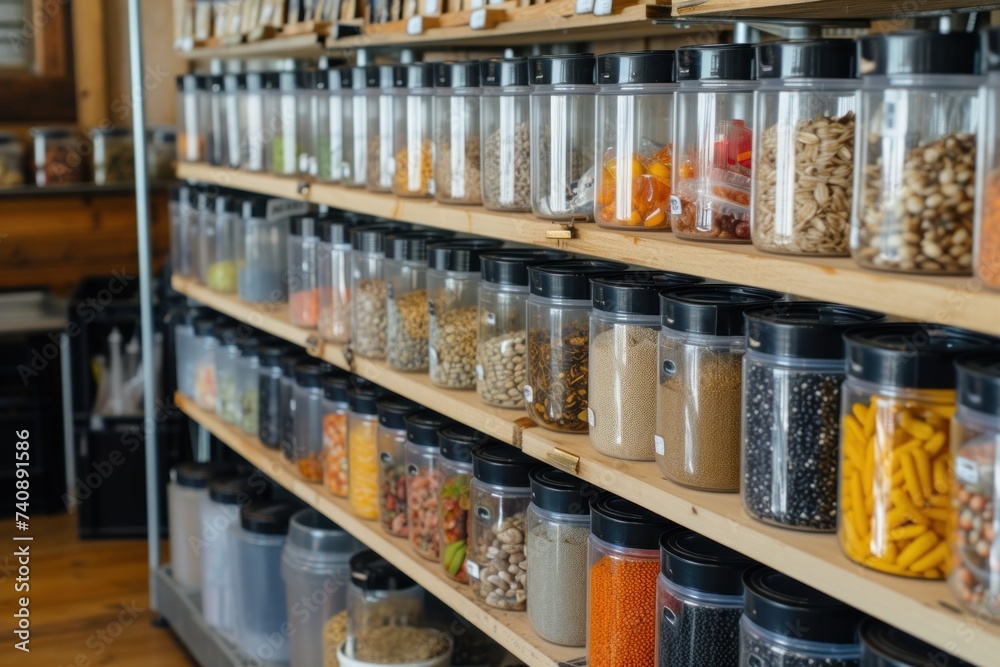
x=363, y=468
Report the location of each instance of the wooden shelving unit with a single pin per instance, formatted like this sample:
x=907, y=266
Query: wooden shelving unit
x=960, y=302
x=822, y=9
x=926, y=609
x=306, y=45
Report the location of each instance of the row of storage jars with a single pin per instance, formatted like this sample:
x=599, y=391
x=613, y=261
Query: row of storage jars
x=668, y=143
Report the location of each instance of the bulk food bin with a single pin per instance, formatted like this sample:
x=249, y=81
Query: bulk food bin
x=506, y=134
x=392, y=414
x=187, y=487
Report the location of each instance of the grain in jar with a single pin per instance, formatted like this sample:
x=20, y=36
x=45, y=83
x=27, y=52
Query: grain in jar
x=423, y=482
x=885, y=646
x=457, y=177
x=362, y=448
x=414, y=147
x=379, y=597
x=335, y=456
x=368, y=288
x=699, y=363
x=986, y=262
x=895, y=461
x=392, y=413
x=381, y=168
x=455, y=448
x=505, y=134
x=623, y=344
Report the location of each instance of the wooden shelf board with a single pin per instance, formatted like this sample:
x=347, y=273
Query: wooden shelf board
x=307, y=45
x=510, y=629
x=960, y=302
x=821, y=9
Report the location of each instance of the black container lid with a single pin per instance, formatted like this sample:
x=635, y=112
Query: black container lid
x=366, y=77
x=267, y=518
x=257, y=81
x=364, y=399
x=52, y=132
x=510, y=267
x=228, y=202
x=339, y=77
x=636, y=67
x=248, y=345
x=113, y=131
x=462, y=255
x=558, y=491
x=234, y=82
x=569, y=278
x=255, y=207
x=502, y=465
x=623, y=523
x=803, y=329
x=778, y=603
x=420, y=75
x=371, y=572
x=717, y=62
x=696, y=562
x=807, y=58
x=216, y=83
x=392, y=411
x=334, y=232
x=463, y=74
x=392, y=76
x=635, y=292
x=206, y=199
x=499, y=72
x=233, y=490
x=335, y=386
x=422, y=427
x=174, y=193
x=195, y=475
x=204, y=326
x=884, y=646
x=575, y=69
x=308, y=374
x=292, y=81
x=912, y=355
x=412, y=246
x=270, y=353
x=304, y=225
x=457, y=442
x=189, y=83
x=918, y=52
x=226, y=333
x=371, y=238
x=713, y=310
x=290, y=360
x=979, y=382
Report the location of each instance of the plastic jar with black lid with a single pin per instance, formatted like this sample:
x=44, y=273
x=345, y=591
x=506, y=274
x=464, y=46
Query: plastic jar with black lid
x=382, y=127
x=423, y=481
x=269, y=392
x=362, y=448
x=335, y=407
x=455, y=444
x=414, y=146
x=392, y=414
x=884, y=646
x=286, y=402
x=335, y=132
x=457, y=156
x=192, y=118
x=303, y=272
x=505, y=134
x=333, y=269
x=309, y=419
x=261, y=101
x=368, y=287
x=357, y=124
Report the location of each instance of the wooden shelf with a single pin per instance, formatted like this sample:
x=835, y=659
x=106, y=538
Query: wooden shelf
x=922, y=608
x=822, y=9
x=960, y=302
x=510, y=629
x=307, y=45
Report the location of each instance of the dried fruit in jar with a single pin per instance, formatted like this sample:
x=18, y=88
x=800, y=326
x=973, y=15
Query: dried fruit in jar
x=639, y=196
x=455, y=525
x=335, y=453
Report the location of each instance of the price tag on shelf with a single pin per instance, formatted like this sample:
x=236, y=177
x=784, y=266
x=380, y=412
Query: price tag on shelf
x=477, y=19
x=584, y=6
x=602, y=7
x=415, y=25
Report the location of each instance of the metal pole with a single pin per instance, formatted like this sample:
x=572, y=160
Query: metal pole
x=145, y=293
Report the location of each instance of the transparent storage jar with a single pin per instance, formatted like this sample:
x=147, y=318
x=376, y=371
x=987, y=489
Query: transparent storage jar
x=621, y=394
x=623, y=563
x=180, y=208
x=217, y=137
x=505, y=134
x=193, y=118
x=206, y=343
x=332, y=134
x=635, y=112
x=362, y=448
x=11, y=160
x=792, y=372
x=261, y=254
x=423, y=482
x=206, y=233
x=713, y=138
x=974, y=575
x=368, y=288
x=234, y=100
x=392, y=413
x=788, y=623
x=220, y=258
x=986, y=262
x=56, y=157
x=884, y=646
x=187, y=487
x=335, y=408
x=381, y=129
x=453, y=292
x=261, y=103
x=292, y=122
x=457, y=177
x=414, y=147
x=161, y=153
x=308, y=396
x=248, y=385
x=193, y=217
x=333, y=261
x=286, y=403
x=185, y=353
x=269, y=393
x=498, y=501
x=915, y=181
x=314, y=121
x=558, y=331
x=803, y=177
x=113, y=156
x=501, y=342
x=558, y=525
x=700, y=368
x=895, y=460
x=363, y=115
x=407, y=317
x=227, y=365
x=379, y=595
x=303, y=274
x=699, y=602
x=562, y=135
x=455, y=448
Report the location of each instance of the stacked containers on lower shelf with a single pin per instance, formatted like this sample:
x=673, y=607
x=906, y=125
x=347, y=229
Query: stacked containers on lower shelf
x=362, y=448
x=308, y=398
x=414, y=146
x=505, y=134
x=457, y=152
x=269, y=409
x=368, y=288
x=335, y=407
x=456, y=444
x=392, y=413
x=303, y=271
x=423, y=482
x=248, y=385
x=987, y=247
x=381, y=128
x=884, y=646
x=187, y=487
x=227, y=363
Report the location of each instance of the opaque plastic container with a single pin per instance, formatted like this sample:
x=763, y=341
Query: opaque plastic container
x=379, y=595
x=185, y=492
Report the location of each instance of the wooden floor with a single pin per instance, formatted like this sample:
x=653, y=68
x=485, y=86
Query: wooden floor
x=89, y=601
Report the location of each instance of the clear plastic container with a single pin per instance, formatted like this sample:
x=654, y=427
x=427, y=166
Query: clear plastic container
x=987, y=236
x=555, y=550
x=303, y=274
x=227, y=364
x=915, y=182
x=453, y=292
x=186, y=347
x=623, y=561
x=407, y=316
x=621, y=394
x=219, y=256
x=506, y=134
x=790, y=624
x=803, y=176
x=178, y=204
x=187, y=488
x=308, y=397
x=368, y=288
x=314, y=121
x=286, y=403
x=362, y=116
x=558, y=329
x=974, y=576
x=379, y=595
x=362, y=448
x=792, y=372
x=457, y=177
x=269, y=392
x=261, y=103
x=11, y=160
x=635, y=112
x=206, y=232
x=331, y=137
x=217, y=138
x=713, y=137
x=335, y=457
x=261, y=249
x=56, y=157
x=383, y=118
x=234, y=100
x=501, y=343
x=699, y=602
x=498, y=502
x=414, y=176
x=261, y=612
x=392, y=413
x=423, y=482
x=113, y=156
x=562, y=134
x=204, y=384
x=193, y=118
x=289, y=149
x=895, y=460
x=316, y=569
x=455, y=448
x=333, y=270
x=700, y=367
x=884, y=646
x=248, y=385
x=161, y=153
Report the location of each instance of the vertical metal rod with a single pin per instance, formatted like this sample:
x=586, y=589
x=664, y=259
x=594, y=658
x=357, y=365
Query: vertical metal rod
x=145, y=293
x=69, y=447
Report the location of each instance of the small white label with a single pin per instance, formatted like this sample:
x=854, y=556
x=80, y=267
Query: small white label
x=471, y=569
x=477, y=4
x=659, y=444
x=480, y=372
x=529, y=394
x=675, y=205
x=590, y=416
x=602, y=7
x=584, y=6
x=966, y=470
x=431, y=7
x=284, y=208
x=477, y=19
x=415, y=25
x=491, y=318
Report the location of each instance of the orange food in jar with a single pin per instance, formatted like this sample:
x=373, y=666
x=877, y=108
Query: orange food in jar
x=647, y=186
x=363, y=468
x=622, y=610
x=988, y=258
x=335, y=453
